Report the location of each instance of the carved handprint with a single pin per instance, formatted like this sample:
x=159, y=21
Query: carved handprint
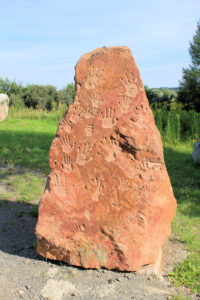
x=99, y=189
x=67, y=144
x=108, y=118
x=89, y=130
x=96, y=100
x=67, y=164
x=130, y=85
x=125, y=104
x=82, y=156
x=91, y=112
x=93, y=76
x=77, y=113
x=65, y=125
x=110, y=148
x=57, y=179
x=141, y=220
x=125, y=184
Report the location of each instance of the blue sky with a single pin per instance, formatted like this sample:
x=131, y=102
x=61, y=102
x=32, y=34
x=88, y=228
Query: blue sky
x=42, y=40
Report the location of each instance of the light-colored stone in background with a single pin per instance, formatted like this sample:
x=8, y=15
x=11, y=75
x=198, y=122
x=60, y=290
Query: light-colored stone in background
x=4, y=104
x=196, y=153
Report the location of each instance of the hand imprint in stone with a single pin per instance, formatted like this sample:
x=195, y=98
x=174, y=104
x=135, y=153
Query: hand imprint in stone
x=65, y=125
x=110, y=147
x=125, y=184
x=108, y=118
x=66, y=143
x=130, y=85
x=82, y=156
x=91, y=112
x=93, y=76
x=125, y=104
x=77, y=113
x=57, y=179
x=67, y=164
x=99, y=189
x=96, y=100
x=89, y=130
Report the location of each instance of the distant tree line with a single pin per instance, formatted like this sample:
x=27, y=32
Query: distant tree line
x=48, y=97
x=161, y=97
x=37, y=96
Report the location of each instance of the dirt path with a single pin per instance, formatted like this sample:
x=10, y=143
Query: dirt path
x=25, y=275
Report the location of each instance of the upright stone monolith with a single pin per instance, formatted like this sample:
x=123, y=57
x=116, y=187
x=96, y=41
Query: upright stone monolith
x=108, y=200
x=4, y=104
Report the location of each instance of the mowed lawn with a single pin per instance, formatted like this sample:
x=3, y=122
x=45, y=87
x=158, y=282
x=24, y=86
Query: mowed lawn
x=25, y=139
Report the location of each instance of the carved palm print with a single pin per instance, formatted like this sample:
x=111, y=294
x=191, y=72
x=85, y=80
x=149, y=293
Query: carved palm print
x=93, y=76
x=108, y=118
x=67, y=144
x=130, y=85
x=97, y=193
x=83, y=156
x=67, y=164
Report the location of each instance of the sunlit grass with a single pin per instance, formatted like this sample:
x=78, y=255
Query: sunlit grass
x=185, y=178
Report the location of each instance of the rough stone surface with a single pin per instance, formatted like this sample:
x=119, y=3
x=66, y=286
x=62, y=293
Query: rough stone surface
x=4, y=103
x=108, y=200
x=196, y=153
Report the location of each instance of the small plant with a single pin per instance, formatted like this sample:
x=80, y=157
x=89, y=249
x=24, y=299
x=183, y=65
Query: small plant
x=188, y=273
x=21, y=214
x=34, y=211
x=179, y=297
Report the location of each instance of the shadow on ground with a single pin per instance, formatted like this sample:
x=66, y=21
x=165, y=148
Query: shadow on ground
x=17, y=227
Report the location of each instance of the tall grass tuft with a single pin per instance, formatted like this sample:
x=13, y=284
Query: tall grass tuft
x=176, y=126
x=39, y=114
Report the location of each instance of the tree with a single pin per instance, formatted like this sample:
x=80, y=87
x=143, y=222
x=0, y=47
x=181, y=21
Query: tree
x=67, y=94
x=189, y=89
x=40, y=96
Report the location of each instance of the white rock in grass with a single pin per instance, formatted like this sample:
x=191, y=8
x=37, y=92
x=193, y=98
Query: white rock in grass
x=196, y=153
x=4, y=103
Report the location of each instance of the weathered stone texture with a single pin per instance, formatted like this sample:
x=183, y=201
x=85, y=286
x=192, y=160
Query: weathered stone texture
x=108, y=200
x=4, y=104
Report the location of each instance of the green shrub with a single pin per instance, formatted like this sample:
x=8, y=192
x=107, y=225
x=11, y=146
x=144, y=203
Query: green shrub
x=177, y=125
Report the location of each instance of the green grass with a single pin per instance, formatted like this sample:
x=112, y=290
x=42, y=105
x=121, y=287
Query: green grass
x=25, y=139
x=185, y=179
x=28, y=186
x=26, y=136
x=22, y=185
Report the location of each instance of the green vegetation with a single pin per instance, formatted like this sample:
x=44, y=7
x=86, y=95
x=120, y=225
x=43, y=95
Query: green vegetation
x=185, y=178
x=24, y=185
x=26, y=137
x=177, y=125
x=189, y=90
x=159, y=97
x=37, y=96
x=25, y=140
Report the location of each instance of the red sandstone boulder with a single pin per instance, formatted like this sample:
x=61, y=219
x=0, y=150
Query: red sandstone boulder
x=108, y=200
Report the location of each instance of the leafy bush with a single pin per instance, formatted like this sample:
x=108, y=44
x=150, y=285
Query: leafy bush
x=67, y=94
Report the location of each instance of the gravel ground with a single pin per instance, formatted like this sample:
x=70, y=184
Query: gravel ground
x=25, y=275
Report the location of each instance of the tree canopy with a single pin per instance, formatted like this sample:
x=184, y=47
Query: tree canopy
x=189, y=89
